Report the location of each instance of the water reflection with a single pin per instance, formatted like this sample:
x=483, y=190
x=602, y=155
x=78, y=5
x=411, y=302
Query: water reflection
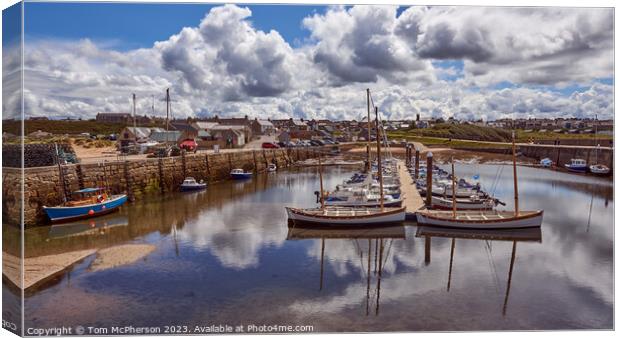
x=229, y=247
x=363, y=240
x=513, y=235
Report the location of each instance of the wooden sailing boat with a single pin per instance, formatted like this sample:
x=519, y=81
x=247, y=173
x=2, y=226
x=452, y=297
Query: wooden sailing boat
x=597, y=168
x=349, y=216
x=484, y=219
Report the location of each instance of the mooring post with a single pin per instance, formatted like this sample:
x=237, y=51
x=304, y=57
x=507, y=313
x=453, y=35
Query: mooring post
x=255, y=163
x=208, y=167
x=427, y=250
x=429, y=179
x=417, y=164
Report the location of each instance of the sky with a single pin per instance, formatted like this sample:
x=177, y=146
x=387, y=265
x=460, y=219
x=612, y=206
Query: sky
x=280, y=61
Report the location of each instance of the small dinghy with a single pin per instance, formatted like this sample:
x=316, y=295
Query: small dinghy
x=190, y=184
x=546, y=162
x=600, y=169
x=272, y=168
x=239, y=174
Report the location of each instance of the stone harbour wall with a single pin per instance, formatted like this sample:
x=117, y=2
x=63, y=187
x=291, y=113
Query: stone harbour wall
x=43, y=185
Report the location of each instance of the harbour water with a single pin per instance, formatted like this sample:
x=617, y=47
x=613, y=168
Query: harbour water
x=226, y=256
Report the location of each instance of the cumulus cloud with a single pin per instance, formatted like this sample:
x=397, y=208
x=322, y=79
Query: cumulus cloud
x=226, y=66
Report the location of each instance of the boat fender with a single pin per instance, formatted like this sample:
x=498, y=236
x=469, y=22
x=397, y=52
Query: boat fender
x=91, y=212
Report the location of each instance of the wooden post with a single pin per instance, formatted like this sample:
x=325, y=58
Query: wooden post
x=417, y=164
x=208, y=167
x=255, y=163
x=427, y=250
x=321, y=179
x=453, y=192
x=429, y=179
x=368, y=166
x=514, y=175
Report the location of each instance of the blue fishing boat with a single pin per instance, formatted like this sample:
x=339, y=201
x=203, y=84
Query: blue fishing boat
x=577, y=165
x=239, y=174
x=91, y=202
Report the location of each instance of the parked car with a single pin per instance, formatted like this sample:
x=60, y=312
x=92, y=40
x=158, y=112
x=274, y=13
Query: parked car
x=282, y=144
x=270, y=145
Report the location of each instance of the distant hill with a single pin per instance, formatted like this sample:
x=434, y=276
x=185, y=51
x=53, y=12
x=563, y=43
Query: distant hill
x=60, y=127
x=464, y=132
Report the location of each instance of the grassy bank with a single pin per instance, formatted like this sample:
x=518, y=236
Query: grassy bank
x=442, y=132
x=447, y=143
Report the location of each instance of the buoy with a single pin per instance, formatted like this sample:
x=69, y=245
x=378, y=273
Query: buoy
x=91, y=212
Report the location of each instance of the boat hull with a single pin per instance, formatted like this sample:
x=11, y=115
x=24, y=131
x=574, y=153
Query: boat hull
x=576, y=169
x=193, y=187
x=66, y=214
x=530, y=220
x=600, y=171
x=298, y=215
x=243, y=176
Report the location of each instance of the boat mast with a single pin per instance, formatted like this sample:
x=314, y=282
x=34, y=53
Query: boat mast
x=321, y=180
x=514, y=174
x=453, y=191
x=595, y=140
x=379, y=170
x=368, y=140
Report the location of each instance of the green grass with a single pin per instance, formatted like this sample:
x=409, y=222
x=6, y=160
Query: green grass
x=454, y=144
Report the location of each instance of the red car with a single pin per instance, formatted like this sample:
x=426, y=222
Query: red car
x=189, y=145
x=270, y=145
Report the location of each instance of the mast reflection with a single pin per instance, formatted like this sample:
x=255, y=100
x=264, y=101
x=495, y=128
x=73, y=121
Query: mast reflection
x=381, y=237
x=513, y=235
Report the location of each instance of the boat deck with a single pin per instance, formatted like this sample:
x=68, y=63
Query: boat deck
x=479, y=215
x=330, y=211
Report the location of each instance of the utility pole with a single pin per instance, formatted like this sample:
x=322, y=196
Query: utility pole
x=135, y=132
x=167, y=112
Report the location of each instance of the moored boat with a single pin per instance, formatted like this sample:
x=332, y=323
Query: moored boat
x=272, y=168
x=546, y=162
x=347, y=215
x=190, y=184
x=577, y=165
x=239, y=174
x=599, y=169
x=91, y=203
x=483, y=219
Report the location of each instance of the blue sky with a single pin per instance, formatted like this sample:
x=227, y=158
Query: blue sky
x=129, y=26
x=415, y=59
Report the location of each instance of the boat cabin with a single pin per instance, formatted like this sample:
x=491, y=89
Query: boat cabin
x=88, y=196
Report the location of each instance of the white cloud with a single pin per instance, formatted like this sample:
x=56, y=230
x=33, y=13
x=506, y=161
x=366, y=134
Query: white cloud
x=226, y=66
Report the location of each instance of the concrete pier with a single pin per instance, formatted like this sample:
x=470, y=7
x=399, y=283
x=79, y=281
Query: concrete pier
x=410, y=195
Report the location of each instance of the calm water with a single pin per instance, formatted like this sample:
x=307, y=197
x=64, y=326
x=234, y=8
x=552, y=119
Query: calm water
x=226, y=256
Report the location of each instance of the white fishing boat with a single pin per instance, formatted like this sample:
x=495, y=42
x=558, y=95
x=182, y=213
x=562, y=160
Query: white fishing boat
x=360, y=198
x=190, y=184
x=350, y=216
x=483, y=219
